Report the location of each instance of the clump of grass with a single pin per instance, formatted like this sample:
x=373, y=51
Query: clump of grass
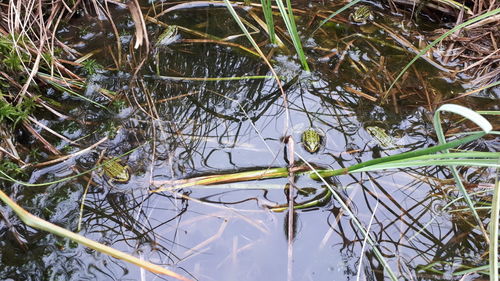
x=91, y=66
x=268, y=16
x=448, y=33
x=18, y=112
x=12, y=168
x=27, y=55
x=288, y=19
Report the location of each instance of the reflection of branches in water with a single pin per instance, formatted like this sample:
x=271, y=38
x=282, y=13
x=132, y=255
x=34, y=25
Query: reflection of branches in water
x=408, y=226
x=207, y=111
x=401, y=222
x=184, y=127
x=123, y=215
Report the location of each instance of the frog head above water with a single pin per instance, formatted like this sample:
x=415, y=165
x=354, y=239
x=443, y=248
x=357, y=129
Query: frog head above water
x=115, y=171
x=312, y=140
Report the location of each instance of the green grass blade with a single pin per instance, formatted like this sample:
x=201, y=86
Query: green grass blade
x=480, y=269
x=463, y=111
x=69, y=91
x=401, y=156
x=446, y=34
x=494, y=231
x=268, y=16
x=457, y=6
x=244, y=29
x=484, y=125
x=355, y=220
x=478, y=159
x=289, y=20
x=493, y=163
x=347, y=6
x=489, y=112
x=254, y=44
x=365, y=240
x=317, y=201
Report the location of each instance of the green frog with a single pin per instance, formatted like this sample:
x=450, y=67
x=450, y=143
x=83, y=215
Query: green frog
x=168, y=36
x=312, y=140
x=379, y=131
x=380, y=136
x=114, y=171
x=361, y=14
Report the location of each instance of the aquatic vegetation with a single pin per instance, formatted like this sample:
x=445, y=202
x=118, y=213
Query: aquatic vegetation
x=424, y=157
x=12, y=168
x=91, y=66
x=16, y=113
x=210, y=125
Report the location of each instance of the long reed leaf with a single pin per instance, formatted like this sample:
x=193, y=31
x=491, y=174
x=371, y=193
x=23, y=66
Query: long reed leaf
x=457, y=5
x=355, y=220
x=345, y=7
x=38, y=223
x=268, y=16
x=480, y=269
x=401, y=156
x=484, y=125
x=494, y=232
x=402, y=160
x=289, y=20
x=254, y=44
x=424, y=163
x=69, y=91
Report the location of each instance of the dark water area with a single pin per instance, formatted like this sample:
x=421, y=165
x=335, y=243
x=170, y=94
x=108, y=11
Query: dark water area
x=169, y=129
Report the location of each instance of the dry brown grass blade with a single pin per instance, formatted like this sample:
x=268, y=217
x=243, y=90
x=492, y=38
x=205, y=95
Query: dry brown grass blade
x=117, y=35
x=43, y=126
x=467, y=93
x=23, y=18
x=359, y=93
x=227, y=178
x=197, y=249
x=447, y=55
x=407, y=44
x=38, y=223
x=425, y=87
x=442, y=6
x=141, y=34
x=7, y=146
x=493, y=19
x=69, y=156
x=481, y=61
x=263, y=25
x=342, y=56
x=45, y=143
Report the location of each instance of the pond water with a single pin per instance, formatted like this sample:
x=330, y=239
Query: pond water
x=167, y=129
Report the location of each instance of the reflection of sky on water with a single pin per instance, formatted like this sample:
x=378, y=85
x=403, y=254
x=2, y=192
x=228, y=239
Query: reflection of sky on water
x=225, y=232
